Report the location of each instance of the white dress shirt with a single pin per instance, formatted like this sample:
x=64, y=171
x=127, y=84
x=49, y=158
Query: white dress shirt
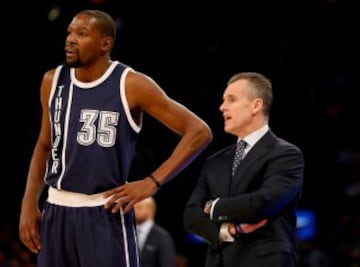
x=251, y=140
x=143, y=230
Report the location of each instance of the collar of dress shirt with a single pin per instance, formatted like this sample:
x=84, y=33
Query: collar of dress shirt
x=255, y=136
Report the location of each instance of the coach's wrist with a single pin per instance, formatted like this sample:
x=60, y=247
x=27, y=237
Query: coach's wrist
x=238, y=230
x=235, y=230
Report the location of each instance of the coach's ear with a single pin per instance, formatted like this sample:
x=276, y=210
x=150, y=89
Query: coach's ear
x=257, y=105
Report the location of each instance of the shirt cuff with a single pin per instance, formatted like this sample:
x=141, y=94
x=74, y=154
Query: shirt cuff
x=224, y=234
x=212, y=207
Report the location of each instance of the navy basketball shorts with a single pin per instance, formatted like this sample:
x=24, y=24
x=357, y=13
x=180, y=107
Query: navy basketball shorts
x=77, y=231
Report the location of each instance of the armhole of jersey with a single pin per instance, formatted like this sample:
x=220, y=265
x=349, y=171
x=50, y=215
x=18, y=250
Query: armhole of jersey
x=51, y=96
x=53, y=86
x=136, y=127
x=54, y=82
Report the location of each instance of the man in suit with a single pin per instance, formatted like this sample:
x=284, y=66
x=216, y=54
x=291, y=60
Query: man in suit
x=156, y=245
x=249, y=217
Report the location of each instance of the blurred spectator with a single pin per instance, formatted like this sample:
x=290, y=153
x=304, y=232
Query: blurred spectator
x=157, y=248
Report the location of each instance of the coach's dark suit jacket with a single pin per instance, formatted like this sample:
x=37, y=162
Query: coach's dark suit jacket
x=159, y=249
x=267, y=184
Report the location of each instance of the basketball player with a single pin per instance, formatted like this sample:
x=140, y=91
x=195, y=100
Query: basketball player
x=92, y=114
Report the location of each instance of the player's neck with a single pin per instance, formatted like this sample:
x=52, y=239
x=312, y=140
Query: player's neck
x=92, y=72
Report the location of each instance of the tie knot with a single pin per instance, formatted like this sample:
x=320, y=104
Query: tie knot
x=241, y=144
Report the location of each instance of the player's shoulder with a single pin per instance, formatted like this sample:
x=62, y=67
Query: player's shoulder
x=139, y=81
x=50, y=73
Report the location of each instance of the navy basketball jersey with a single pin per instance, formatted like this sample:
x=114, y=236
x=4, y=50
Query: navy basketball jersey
x=93, y=133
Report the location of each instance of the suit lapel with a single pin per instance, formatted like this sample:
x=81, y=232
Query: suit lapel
x=260, y=148
x=225, y=173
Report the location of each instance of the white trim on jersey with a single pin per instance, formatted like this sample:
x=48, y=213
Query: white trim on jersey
x=130, y=119
x=65, y=134
x=87, y=85
x=51, y=96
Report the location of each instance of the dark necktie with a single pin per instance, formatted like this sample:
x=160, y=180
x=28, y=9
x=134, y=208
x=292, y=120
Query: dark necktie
x=239, y=153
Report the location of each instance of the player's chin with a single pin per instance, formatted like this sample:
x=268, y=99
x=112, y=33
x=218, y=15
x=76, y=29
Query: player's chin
x=72, y=62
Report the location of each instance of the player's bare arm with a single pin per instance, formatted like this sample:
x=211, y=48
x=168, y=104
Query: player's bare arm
x=30, y=214
x=143, y=94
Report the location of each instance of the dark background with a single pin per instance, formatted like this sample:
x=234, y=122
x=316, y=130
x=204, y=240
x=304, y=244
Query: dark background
x=307, y=48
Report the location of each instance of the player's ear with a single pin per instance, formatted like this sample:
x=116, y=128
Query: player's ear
x=107, y=43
